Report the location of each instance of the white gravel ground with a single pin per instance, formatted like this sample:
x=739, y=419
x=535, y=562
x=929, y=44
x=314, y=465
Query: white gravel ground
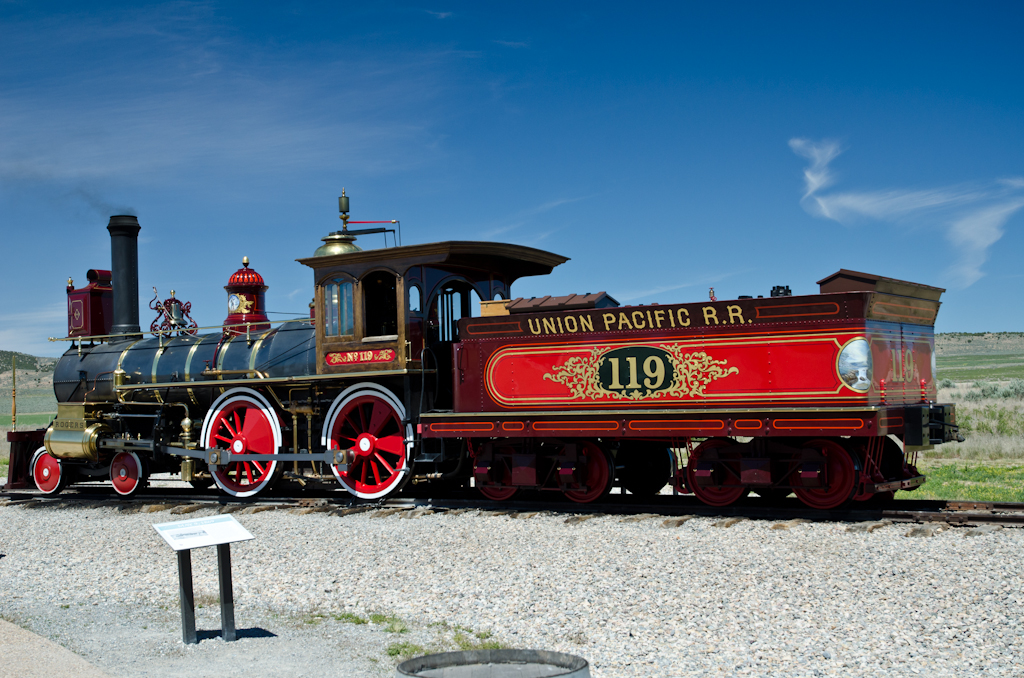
x=634, y=598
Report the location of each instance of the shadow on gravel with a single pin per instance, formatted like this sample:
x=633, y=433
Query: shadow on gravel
x=239, y=634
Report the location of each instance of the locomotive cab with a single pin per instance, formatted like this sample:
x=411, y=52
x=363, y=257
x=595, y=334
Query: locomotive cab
x=396, y=311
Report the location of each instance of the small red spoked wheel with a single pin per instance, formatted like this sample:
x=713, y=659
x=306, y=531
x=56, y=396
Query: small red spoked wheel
x=841, y=476
x=599, y=474
x=243, y=422
x=500, y=493
x=730, y=488
x=128, y=473
x=367, y=420
x=48, y=473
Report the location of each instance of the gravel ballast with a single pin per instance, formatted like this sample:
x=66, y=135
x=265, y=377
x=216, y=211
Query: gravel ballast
x=635, y=598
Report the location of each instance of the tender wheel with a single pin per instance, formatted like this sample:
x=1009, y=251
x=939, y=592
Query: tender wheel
x=841, y=474
x=244, y=422
x=731, y=489
x=128, y=474
x=497, y=493
x=367, y=419
x=599, y=475
x=645, y=468
x=500, y=493
x=48, y=473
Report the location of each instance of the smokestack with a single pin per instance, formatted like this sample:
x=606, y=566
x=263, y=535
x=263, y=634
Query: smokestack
x=124, y=263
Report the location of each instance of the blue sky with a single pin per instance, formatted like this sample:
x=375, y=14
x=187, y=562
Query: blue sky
x=665, y=148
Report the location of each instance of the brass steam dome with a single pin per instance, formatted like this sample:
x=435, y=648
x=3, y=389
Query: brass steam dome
x=338, y=242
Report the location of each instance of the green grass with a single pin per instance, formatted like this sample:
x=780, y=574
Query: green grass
x=34, y=420
x=404, y=650
x=477, y=641
x=972, y=367
x=313, y=618
x=962, y=482
x=991, y=418
x=349, y=618
x=390, y=622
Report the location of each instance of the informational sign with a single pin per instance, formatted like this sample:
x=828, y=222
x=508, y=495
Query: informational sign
x=199, y=532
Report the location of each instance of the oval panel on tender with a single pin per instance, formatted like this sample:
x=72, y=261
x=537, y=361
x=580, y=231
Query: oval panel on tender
x=639, y=371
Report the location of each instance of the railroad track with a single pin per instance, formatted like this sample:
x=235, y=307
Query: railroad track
x=920, y=511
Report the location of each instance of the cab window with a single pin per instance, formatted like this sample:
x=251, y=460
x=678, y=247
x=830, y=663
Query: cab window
x=380, y=304
x=339, y=318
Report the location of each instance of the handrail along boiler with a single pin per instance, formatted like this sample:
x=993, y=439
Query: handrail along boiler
x=417, y=365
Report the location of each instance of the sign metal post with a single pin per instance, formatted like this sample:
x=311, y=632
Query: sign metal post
x=185, y=535
x=227, y=594
x=186, y=598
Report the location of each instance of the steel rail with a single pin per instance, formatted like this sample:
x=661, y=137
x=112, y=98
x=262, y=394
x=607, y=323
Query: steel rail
x=906, y=511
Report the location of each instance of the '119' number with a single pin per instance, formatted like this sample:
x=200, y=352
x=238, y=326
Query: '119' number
x=654, y=368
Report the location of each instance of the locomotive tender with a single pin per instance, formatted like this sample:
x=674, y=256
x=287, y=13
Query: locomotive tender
x=395, y=377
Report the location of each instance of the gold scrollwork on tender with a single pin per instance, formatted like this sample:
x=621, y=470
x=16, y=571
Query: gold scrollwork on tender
x=691, y=374
x=694, y=371
x=580, y=375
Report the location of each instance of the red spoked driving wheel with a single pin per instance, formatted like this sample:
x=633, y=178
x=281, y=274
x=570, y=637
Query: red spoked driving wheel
x=366, y=419
x=599, y=474
x=728, y=489
x=48, y=474
x=127, y=473
x=243, y=422
x=840, y=477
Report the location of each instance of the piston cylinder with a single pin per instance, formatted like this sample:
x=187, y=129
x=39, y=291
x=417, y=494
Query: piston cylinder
x=75, y=439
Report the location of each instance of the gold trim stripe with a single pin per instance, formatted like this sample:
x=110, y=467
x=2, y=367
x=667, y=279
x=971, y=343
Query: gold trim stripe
x=188, y=367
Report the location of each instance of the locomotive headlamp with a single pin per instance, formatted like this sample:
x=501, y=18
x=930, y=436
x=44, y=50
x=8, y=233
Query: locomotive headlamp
x=854, y=365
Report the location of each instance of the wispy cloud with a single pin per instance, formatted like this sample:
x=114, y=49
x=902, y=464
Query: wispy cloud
x=974, y=215
x=708, y=280
x=525, y=217
x=179, y=93
x=26, y=332
x=512, y=43
x=818, y=175
x=438, y=15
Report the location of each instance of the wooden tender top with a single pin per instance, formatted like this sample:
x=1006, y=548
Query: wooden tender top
x=845, y=280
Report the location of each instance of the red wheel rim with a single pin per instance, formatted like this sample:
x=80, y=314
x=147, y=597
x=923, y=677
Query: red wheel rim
x=372, y=429
x=497, y=493
x=244, y=427
x=46, y=472
x=126, y=473
x=599, y=474
x=840, y=473
x=731, y=491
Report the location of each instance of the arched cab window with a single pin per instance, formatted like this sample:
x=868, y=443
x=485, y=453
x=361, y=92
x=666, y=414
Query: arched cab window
x=415, y=301
x=380, y=306
x=339, y=316
x=456, y=300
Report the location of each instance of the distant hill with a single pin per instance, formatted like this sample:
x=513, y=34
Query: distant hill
x=981, y=343
x=26, y=362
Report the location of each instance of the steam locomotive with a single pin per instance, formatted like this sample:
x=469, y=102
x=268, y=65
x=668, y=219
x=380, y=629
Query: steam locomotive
x=416, y=364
